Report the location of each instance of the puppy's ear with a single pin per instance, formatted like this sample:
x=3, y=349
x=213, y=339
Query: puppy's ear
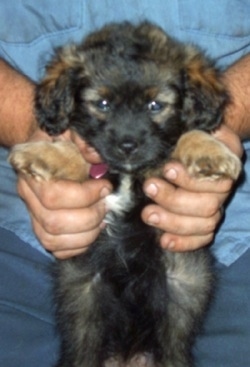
x=55, y=95
x=205, y=96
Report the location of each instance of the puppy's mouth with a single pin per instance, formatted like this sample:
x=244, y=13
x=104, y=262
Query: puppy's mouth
x=130, y=158
x=99, y=170
x=124, y=161
x=129, y=165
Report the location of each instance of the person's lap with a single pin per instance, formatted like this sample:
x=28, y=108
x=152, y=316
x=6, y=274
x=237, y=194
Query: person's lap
x=226, y=337
x=27, y=331
x=28, y=335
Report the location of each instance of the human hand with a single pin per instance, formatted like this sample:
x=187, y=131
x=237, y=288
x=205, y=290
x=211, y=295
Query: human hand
x=66, y=216
x=185, y=209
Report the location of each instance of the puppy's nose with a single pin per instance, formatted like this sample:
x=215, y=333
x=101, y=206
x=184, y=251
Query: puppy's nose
x=128, y=146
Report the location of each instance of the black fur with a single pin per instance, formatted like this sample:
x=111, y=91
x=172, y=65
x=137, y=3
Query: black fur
x=131, y=92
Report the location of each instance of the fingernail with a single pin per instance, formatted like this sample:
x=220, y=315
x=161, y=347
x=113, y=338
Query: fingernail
x=104, y=192
x=171, y=245
x=90, y=149
x=151, y=190
x=103, y=225
x=167, y=243
x=153, y=219
x=170, y=174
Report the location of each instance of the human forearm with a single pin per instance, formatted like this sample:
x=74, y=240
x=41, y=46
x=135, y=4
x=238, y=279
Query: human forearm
x=237, y=80
x=17, y=120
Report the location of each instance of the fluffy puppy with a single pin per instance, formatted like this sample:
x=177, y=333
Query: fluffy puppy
x=140, y=98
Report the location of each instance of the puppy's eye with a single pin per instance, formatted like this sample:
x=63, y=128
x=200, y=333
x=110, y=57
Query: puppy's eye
x=155, y=107
x=103, y=105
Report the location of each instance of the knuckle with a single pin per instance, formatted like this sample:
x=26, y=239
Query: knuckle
x=47, y=197
x=212, y=207
x=173, y=224
x=48, y=242
x=201, y=242
x=210, y=225
x=51, y=224
x=62, y=255
x=46, y=239
x=228, y=185
x=209, y=238
x=178, y=228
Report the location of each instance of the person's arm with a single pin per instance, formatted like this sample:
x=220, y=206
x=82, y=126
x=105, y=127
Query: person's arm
x=237, y=81
x=17, y=120
x=66, y=216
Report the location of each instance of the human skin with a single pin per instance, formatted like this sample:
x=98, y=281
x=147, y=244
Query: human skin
x=67, y=216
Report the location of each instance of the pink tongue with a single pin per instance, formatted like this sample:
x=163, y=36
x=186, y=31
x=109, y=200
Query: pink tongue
x=98, y=170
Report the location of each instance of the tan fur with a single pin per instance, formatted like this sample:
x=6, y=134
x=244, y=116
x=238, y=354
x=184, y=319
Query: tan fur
x=203, y=75
x=46, y=161
x=203, y=156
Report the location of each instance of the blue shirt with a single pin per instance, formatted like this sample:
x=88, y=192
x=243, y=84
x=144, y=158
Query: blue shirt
x=221, y=28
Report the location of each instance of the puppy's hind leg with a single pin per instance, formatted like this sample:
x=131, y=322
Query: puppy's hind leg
x=189, y=284
x=80, y=319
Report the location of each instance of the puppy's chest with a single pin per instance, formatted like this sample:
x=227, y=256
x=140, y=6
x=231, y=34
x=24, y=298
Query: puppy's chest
x=123, y=199
x=130, y=245
x=124, y=207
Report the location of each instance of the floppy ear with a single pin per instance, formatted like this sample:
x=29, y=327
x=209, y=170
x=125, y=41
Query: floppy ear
x=205, y=96
x=55, y=95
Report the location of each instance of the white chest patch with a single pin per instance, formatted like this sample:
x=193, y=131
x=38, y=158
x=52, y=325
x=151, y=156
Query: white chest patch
x=122, y=200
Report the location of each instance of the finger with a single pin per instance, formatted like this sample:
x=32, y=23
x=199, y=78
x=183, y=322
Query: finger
x=179, y=224
x=176, y=173
x=88, y=152
x=40, y=135
x=64, y=194
x=65, y=243
x=63, y=255
x=91, y=155
x=228, y=137
x=64, y=221
x=184, y=243
x=72, y=221
x=179, y=201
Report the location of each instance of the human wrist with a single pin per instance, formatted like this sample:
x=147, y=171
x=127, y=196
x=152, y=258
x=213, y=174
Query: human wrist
x=237, y=82
x=17, y=118
x=228, y=136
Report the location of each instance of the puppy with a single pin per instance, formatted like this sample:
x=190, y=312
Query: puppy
x=139, y=98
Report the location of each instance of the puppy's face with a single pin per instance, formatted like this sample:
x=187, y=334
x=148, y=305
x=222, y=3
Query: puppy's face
x=131, y=92
x=132, y=120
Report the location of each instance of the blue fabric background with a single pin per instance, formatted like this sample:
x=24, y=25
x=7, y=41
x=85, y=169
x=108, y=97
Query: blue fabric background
x=29, y=32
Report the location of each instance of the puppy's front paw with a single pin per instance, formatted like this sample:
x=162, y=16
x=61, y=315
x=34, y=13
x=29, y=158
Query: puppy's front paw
x=58, y=160
x=205, y=157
